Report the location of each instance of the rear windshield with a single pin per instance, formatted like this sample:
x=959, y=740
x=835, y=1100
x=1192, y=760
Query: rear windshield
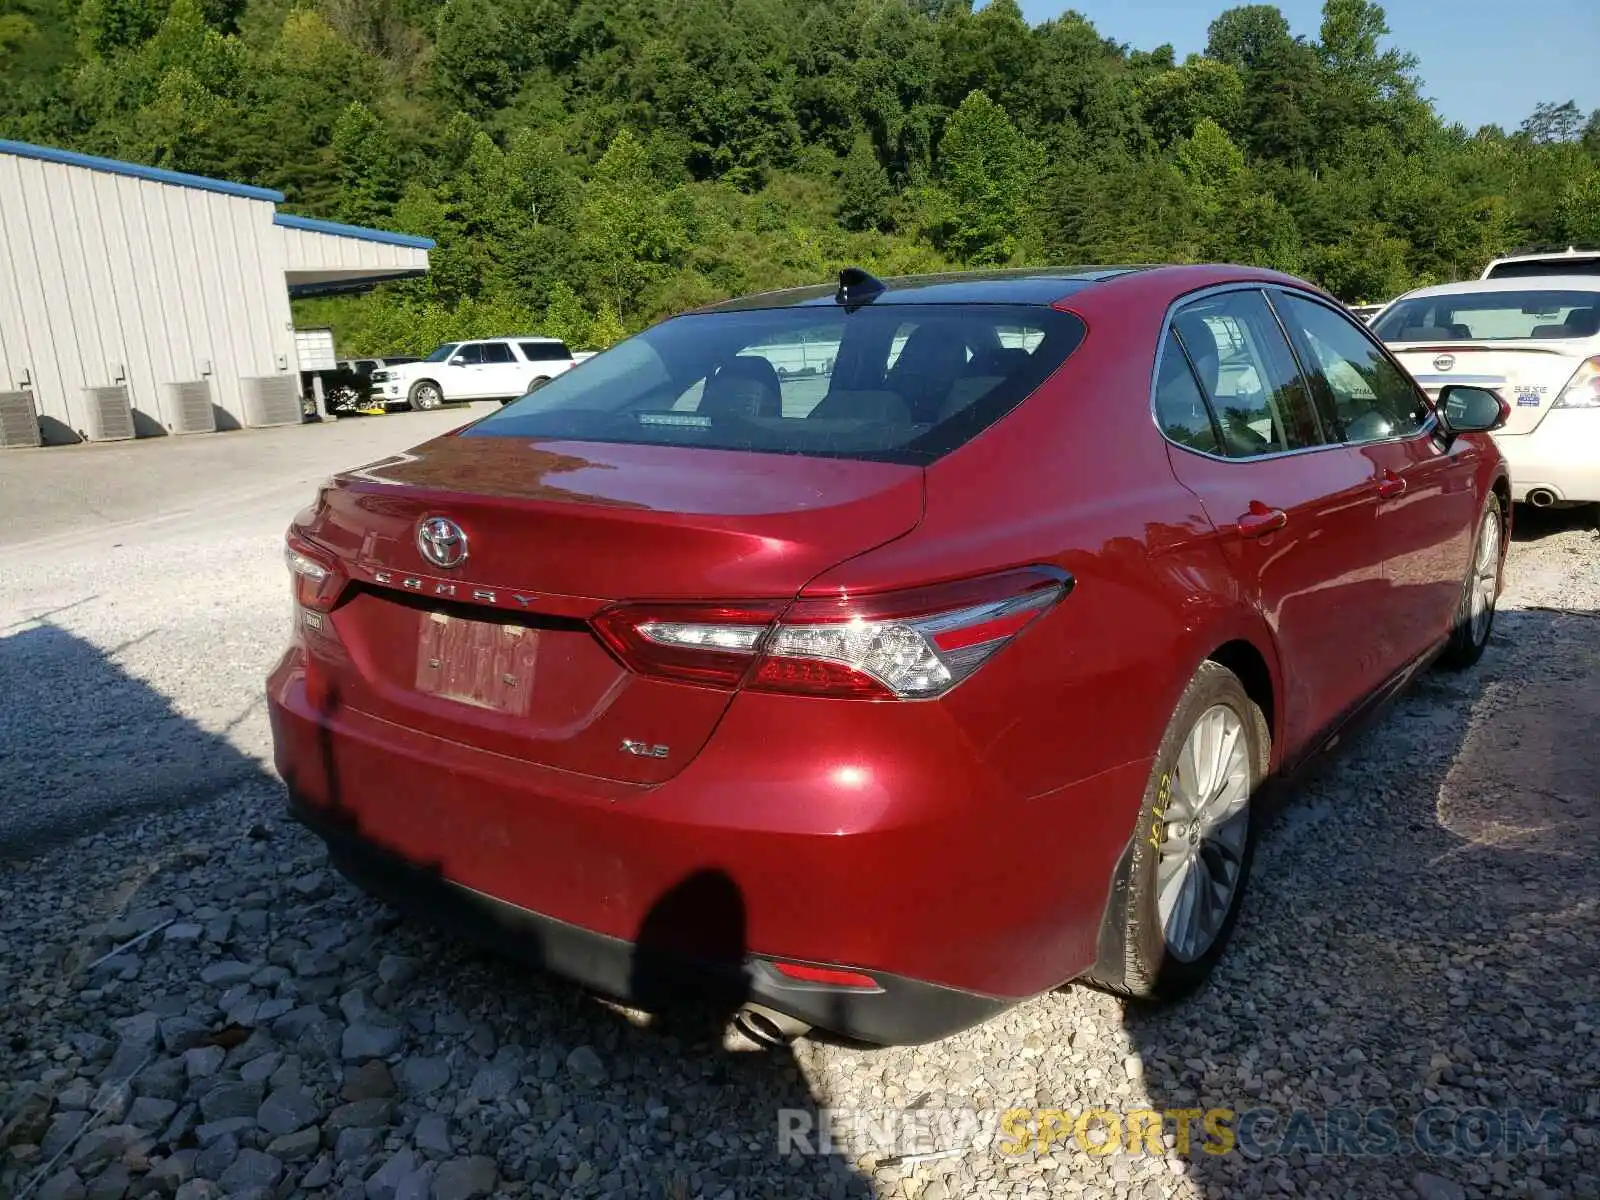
x=896, y=383
x=1492, y=316
x=1538, y=268
x=545, y=351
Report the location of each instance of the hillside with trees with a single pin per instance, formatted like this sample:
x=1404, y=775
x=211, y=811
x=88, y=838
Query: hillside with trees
x=588, y=166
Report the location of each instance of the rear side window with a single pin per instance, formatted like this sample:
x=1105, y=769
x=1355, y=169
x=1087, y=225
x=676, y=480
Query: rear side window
x=497, y=352
x=544, y=351
x=1249, y=374
x=895, y=383
x=1180, y=407
x=1369, y=398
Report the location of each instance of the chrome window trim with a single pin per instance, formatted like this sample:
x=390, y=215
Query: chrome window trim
x=1431, y=428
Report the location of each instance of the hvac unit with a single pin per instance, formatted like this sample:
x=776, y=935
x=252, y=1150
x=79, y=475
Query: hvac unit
x=190, y=406
x=272, y=400
x=19, y=420
x=110, y=414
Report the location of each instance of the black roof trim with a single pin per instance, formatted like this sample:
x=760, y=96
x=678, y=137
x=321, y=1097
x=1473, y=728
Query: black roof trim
x=1021, y=285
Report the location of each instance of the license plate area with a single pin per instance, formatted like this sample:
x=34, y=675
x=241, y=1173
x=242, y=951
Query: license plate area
x=483, y=664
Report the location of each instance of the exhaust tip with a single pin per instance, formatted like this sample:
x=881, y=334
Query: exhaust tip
x=1541, y=497
x=767, y=1027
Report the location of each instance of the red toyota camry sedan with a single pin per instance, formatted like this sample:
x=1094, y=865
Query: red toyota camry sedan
x=900, y=649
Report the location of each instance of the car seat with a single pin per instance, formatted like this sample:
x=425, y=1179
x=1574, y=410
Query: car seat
x=744, y=386
x=934, y=356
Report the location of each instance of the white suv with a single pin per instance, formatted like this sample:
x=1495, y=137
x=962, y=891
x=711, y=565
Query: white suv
x=484, y=369
x=1535, y=263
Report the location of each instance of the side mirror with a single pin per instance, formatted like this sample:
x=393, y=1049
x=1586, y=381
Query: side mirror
x=458, y=361
x=1469, y=409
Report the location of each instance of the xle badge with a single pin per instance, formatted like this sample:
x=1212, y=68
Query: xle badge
x=642, y=749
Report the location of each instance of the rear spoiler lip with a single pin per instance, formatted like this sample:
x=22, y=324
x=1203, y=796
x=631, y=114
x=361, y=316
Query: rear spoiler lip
x=1487, y=347
x=1489, y=381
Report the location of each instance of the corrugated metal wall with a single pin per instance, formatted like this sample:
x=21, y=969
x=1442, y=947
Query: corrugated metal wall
x=308, y=252
x=107, y=279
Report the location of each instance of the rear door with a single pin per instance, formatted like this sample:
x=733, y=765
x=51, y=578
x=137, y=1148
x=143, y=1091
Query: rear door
x=1427, y=498
x=502, y=372
x=1295, y=511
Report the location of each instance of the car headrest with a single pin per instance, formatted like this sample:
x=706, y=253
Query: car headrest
x=933, y=356
x=1201, y=344
x=744, y=386
x=1427, y=333
x=1550, y=331
x=1583, y=322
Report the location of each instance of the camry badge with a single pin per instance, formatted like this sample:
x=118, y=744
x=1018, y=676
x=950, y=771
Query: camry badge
x=441, y=541
x=1444, y=362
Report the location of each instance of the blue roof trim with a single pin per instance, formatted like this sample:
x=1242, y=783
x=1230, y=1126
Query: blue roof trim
x=136, y=171
x=310, y=225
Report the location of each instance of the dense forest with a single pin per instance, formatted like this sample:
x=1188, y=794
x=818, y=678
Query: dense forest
x=588, y=166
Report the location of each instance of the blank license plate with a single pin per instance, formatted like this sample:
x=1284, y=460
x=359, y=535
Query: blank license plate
x=480, y=663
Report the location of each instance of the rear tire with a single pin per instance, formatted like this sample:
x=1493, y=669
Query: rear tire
x=1479, y=593
x=425, y=395
x=1179, y=890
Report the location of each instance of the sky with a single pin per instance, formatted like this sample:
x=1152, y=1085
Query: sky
x=1483, y=62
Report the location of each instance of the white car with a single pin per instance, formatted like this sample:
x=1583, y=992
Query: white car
x=1536, y=341
x=482, y=369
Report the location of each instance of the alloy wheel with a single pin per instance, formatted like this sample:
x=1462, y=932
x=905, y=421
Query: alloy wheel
x=1205, y=826
x=1485, y=578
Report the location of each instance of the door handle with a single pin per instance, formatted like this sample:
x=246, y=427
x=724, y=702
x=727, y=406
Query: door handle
x=1261, y=520
x=1391, y=485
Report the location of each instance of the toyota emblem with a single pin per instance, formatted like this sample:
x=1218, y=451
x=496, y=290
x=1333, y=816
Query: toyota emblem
x=441, y=542
x=1444, y=362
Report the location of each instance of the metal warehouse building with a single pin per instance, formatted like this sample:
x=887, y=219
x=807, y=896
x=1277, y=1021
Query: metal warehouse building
x=141, y=302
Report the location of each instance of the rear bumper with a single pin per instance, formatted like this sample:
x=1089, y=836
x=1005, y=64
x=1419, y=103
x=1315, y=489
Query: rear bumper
x=1562, y=455
x=910, y=860
x=900, y=1012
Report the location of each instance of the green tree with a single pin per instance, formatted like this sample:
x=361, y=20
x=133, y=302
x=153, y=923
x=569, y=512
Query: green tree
x=627, y=233
x=565, y=317
x=1553, y=123
x=1579, y=210
x=368, y=166
x=986, y=172
x=864, y=192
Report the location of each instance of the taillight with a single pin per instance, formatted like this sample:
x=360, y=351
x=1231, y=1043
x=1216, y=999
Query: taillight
x=314, y=576
x=706, y=644
x=907, y=645
x=1583, y=389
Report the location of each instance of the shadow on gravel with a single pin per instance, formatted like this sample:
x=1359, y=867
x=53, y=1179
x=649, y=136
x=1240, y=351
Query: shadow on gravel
x=651, y=1100
x=1529, y=524
x=1407, y=1007
x=82, y=743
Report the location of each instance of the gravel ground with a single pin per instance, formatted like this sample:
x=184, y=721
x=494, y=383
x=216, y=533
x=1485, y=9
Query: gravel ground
x=1419, y=937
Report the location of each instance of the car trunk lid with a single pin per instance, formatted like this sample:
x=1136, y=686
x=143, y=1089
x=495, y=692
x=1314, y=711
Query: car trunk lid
x=499, y=652
x=1529, y=374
